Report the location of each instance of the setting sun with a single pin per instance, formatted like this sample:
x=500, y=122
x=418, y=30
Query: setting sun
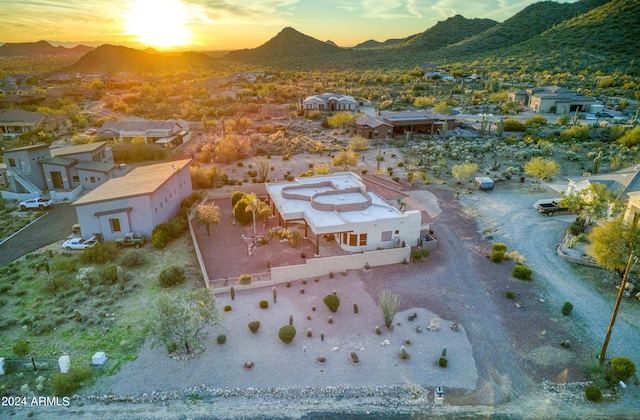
x=158, y=23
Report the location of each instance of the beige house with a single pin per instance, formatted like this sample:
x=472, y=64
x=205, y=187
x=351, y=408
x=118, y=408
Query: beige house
x=137, y=202
x=171, y=132
x=339, y=206
x=330, y=102
x=553, y=99
x=17, y=122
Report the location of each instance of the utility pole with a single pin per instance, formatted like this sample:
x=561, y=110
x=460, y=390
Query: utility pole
x=615, y=308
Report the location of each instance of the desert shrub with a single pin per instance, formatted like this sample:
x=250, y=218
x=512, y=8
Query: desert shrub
x=57, y=283
x=566, y=308
x=442, y=362
x=221, y=339
x=510, y=294
x=332, y=301
x=172, y=276
x=354, y=357
x=522, y=272
x=622, y=368
x=109, y=273
x=65, y=384
x=134, y=258
x=497, y=256
x=264, y=304
x=235, y=197
x=419, y=254
x=62, y=263
x=287, y=333
x=160, y=236
x=592, y=393
x=511, y=124
x=227, y=308
x=575, y=228
x=102, y=252
x=245, y=279
x=499, y=246
x=241, y=214
x=254, y=326
x=21, y=348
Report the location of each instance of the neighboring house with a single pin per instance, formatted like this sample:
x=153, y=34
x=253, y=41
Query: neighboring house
x=137, y=202
x=552, y=99
x=420, y=122
x=624, y=181
x=330, y=102
x=15, y=123
x=371, y=128
x=633, y=207
x=32, y=169
x=339, y=206
x=171, y=132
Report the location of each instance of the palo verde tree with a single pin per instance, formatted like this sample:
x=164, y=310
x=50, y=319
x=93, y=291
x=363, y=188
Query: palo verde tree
x=180, y=319
x=541, y=168
x=208, y=214
x=345, y=159
x=593, y=204
x=613, y=242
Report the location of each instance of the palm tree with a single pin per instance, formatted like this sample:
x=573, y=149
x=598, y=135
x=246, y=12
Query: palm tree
x=256, y=207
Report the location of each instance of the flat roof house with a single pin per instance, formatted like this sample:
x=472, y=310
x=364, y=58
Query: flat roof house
x=371, y=128
x=553, y=99
x=329, y=102
x=339, y=206
x=416, y=121
x=171, y=132
x=139, y=201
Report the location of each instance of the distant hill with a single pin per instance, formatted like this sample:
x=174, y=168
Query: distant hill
x=371, y=43
x=39, y=48
x=448, y=32
x=285, y=47
x=111, y=58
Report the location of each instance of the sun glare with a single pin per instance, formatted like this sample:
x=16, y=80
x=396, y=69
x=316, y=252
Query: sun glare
x=158, y=23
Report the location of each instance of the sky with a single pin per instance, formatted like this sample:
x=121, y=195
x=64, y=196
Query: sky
x=232, y=24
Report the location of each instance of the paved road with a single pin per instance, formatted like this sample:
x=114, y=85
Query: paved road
x=54, y=226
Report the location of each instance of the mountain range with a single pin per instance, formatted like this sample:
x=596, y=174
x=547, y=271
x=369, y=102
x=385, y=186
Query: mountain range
x=546, y=34
x=40, y=48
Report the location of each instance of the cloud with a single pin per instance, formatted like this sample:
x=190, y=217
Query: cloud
x=234, y=12
x=382, y=9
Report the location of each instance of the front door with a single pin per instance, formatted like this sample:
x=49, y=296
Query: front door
x=56, y=177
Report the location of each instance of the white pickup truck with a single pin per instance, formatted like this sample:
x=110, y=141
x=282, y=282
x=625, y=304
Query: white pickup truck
x=35, y=203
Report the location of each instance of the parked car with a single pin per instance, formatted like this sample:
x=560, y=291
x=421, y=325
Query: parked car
x=604, y=114
x=550, y=207
x=130, y=239
x=35, y=203
x=79, y=243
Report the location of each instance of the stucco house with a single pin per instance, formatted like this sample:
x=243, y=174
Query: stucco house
x=624, y=181
x=419, y=122
x=16, y=122
x=371, y=128
x=339, y=207
x=170, y=132
x=552, y=99
x=33, y=169
x=137, y=202
x=329, y=102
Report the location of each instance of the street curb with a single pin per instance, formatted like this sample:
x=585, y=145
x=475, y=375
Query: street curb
x=15, y=233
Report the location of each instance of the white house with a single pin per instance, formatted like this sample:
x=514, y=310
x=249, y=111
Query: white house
x=329, y=102
x=172, y=132
x=339, y=206
x=137, y=202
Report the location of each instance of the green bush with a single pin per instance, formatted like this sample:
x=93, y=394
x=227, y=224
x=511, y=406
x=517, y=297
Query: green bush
x=622, y=368
x=241, y=214
x=172, y=276
x=566, y=308
x=442, y=362
x=21, y=348
x=497, y=256
x=287, y=333
x=160, y=236
x=592, y=393
x=510, y=294
x=221, y=339
x=235, y=197
x=65, y=384
x=522, y=272
x=575, y=228
x=101, y=253
x=499, y=246
x=134, y=258
x=332, y=301
x=227, y=308
x=264, y=304
x=254, y=326
x=109, y=273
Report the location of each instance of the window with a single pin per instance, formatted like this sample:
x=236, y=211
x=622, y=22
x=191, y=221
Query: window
x=386, y=236
x=344, y=238
x=12, y=162
x=75, y=178
x=115, y=225
x=320, y=106
x=363, y=239
x=353, y=240
x=93, y=179
x=375, y=132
